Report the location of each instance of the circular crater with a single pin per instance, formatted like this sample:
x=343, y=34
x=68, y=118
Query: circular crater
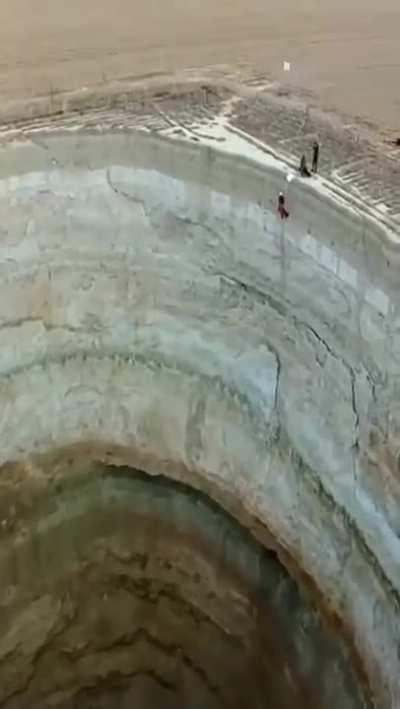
x=122, y=590
x=155, y=315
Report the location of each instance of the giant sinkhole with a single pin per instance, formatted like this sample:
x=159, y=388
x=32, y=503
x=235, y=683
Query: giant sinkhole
x=191, y=397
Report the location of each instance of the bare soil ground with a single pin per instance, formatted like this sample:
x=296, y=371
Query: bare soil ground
x=345, y=52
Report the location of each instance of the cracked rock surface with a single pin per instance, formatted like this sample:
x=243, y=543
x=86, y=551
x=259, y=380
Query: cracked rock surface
x=154, y=311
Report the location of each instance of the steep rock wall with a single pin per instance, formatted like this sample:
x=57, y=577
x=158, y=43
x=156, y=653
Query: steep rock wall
x=153, y=307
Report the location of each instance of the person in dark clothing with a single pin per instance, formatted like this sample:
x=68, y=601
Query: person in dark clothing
x=303, y=169
x=315, y=156
x=284, y=214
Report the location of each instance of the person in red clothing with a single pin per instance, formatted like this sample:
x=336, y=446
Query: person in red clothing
x=283, y=212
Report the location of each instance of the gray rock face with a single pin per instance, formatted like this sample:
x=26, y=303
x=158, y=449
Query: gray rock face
x=155, y=314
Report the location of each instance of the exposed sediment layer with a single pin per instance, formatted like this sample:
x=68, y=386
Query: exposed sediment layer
x=153, y=306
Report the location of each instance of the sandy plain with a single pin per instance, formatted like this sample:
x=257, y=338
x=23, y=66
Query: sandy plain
x=346, y=53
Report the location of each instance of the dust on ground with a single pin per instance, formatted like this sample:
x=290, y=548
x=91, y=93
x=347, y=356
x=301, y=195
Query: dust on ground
x=345, y=53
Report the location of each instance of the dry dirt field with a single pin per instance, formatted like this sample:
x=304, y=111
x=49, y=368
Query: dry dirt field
x=345, y=51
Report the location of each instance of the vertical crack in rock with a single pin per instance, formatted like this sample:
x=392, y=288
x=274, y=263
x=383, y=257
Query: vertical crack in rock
x=351, y=374
x=126, y=195
x=277, y=383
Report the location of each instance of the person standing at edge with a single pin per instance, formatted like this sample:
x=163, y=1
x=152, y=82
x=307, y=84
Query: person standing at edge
x=315, y=156
x=303, y=169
